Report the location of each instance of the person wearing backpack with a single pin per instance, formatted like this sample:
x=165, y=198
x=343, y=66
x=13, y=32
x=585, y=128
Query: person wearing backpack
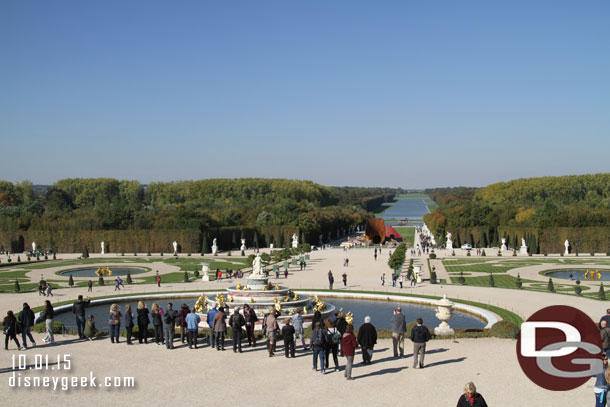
x=333, y=338
x=236, y=321
x=169, y=325
x=317, y=344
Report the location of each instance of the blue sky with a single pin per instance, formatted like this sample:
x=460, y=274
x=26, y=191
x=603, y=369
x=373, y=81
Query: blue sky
x=393, y=93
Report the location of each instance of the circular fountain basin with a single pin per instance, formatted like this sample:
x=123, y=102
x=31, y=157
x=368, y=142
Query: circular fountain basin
x=90, y=271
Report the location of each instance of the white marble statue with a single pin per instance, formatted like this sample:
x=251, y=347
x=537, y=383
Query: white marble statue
x=34, y=247
x=102, y=246
x=175, y=244
x=214, y=247
x=567, y=245
x=523, y=248
x=295, y=241
x=243, y=245
x=503, y=244
x=257, y=268
x=449, y=243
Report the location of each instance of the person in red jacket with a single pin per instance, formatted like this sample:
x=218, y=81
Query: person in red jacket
x=349, y=343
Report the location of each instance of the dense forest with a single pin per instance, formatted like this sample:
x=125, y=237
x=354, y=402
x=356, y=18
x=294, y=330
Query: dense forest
x=550, y=209
x=260, y=210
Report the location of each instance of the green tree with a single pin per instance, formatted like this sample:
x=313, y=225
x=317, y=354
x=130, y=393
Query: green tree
x=17, y=287
x=601, y=294
x=71, y=281
x=491, y=280
x=129, y=280
x=550, y=286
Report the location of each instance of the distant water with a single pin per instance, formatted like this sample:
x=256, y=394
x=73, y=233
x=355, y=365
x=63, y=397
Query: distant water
x=410, y=208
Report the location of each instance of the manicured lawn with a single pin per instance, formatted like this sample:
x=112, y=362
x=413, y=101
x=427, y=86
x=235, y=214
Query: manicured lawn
x=407, y=233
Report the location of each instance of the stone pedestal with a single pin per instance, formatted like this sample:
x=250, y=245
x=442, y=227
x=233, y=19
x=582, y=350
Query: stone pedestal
x=523, y=250
x=205, y=271
x=444, y=313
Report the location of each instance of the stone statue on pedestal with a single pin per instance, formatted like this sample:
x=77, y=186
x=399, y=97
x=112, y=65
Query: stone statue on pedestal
x=449, y=243
x=523, y=248
x=34, y=247
x=567, y=245
x=503, y=244
x=175, y=244
x=102, y=246
x=295, y=241
x=214, y=247
x=257, y=268
x=243, y=245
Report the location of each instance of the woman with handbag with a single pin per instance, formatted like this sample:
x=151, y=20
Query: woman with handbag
x=114, y=322
x=10, y=330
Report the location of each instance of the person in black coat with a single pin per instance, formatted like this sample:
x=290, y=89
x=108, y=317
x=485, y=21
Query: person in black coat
x=143, y=322
x=128, y=318
x=26, y=318
x=367, y=338
x=236, y=322
x=471, y=398
x=288, y=335
x=10, y=329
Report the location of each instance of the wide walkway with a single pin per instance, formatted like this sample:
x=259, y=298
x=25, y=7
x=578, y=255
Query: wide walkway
x=184, y=375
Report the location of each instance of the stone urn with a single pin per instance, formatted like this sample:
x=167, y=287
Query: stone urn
x=443, y=312
x=205, y=271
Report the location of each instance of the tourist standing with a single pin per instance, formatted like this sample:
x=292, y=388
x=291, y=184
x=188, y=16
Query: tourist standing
x=601, y=384
x=297, y=323
x=344, y=276
x=605, y=318
x=220, y=328
x=471, y=398
x=383, y=279
x=128, y=317
x=272, y=331
x=317, y=344
x=90, y=329
x=251, y=318
x=331, y=280
x=341, y=325
x=49, y=290
x=286, y=273
x=333, y=338
x=78, y=309
x=399, y=327
x=157, y=321
x=10, y=330
x=288, y=335
x=367, y=338
x=143, y=322
x=237, y=321
x=117, y=284
x=169, y=325
x=26, y=318
x=114, y=322
x=192, y=324
x=211, y=315
x=89, y=286
x=158, y=281
x=605, y=334
x=47, y=316
x=400, y=280
x=419, y=335
x=349, y=345
x=184, y=312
